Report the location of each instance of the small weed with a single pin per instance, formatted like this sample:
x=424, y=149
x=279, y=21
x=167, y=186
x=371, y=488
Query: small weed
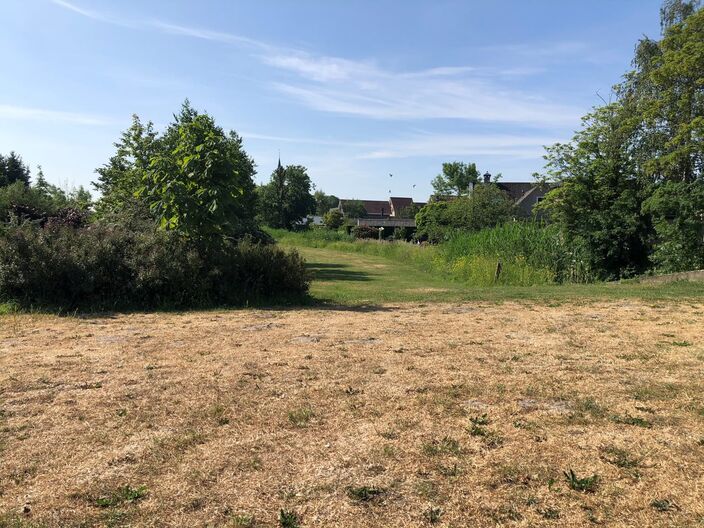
x=122, y=412
x=550, y=513
x=478, y=430
x=493, y=440
x=446, y=446
x=124, y=495
x=480, y=420
x=432, y=515
x=682, y=343
x=9, y=308
x=490, y=439
x=427, y=489
x=300, y=417
x=242, y=520
x=525, y=424
x=658, y=391
x=586, y=484
x=632, y=420
x=664, y=505
x=620, y=458
x=289, y=519
x=217, y=412
x=351, y=391
x=365, y=493
x=589, y=406
x=449, y=471
x=389, y=451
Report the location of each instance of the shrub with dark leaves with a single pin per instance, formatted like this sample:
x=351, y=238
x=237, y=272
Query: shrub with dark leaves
x=365, y=232
x=108, y=267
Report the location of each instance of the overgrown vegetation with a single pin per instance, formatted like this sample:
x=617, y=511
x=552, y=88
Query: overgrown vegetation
x=529, y=253
x=175, y=227
x=487, y=206
x=632, y=180
x=112, y=266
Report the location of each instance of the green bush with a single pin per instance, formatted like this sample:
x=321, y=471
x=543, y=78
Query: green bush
x=333, y=219
x=365, y=232
x=527, y=249
x=487, y=206
x=108, y=267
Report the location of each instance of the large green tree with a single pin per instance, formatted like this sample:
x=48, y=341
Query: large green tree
x=200, y=183
x=457, y=178
x=599, y=198
x=324, y=202
x=122, y=176
x=13, y=169
x=629, y=180
x=287, y=198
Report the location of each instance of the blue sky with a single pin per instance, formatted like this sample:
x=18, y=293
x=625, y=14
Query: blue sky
x=353, y=90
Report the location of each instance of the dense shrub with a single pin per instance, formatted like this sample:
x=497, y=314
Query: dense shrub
x=487, y=206
x=105, y=267
x=677, y=209
x=333, y=219
x=535, y=253
x=365, y=232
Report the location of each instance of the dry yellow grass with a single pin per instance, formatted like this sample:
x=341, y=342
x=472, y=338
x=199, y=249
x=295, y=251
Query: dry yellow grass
x=218, y=418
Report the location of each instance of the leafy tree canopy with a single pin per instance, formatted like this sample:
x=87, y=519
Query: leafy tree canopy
x=487, y=206
x=287, y=198
x=333, y=219
x=200, y=182
x=13, y=169
x=324, y=202
x=456, y=179
x=630, y=178
x=354, y=209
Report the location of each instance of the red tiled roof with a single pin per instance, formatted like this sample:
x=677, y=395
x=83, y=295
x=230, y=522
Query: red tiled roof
x=372, y=207
x=384, y=207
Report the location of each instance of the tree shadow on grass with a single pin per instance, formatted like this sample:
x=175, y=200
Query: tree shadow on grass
x=336, y=272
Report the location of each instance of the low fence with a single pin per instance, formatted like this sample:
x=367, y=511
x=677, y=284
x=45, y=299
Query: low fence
x=386, y=222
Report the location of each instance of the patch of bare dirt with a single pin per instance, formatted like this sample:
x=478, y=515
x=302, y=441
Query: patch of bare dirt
x=467, y=415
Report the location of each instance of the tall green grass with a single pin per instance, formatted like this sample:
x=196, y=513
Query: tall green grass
x=529, y=252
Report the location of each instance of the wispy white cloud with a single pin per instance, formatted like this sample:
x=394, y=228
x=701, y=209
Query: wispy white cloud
x=81, y=11
x=204, y=34
x=427, y=144
x=461, y=146
x=365, y=89
x=304, y=140
x=23, y=113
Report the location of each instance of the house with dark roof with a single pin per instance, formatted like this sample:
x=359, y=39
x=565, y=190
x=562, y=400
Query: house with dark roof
x=399, y=211
x=394, y=207
x=526, y=195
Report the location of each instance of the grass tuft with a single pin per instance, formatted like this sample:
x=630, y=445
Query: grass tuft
x=585, y=484
x=123, y=495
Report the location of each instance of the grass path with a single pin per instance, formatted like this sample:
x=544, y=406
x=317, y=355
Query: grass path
x=357, y=278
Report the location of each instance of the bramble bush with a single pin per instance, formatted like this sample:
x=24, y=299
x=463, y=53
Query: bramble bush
x=365, y=232
x=109, y=267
